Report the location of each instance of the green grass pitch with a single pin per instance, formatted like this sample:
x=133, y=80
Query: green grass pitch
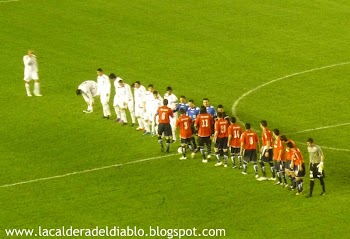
x=216, y=49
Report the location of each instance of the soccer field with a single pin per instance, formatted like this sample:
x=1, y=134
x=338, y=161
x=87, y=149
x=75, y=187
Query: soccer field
x=283, y=61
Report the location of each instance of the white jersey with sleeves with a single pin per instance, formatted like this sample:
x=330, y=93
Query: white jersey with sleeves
x=104, y=85
x=172, y=100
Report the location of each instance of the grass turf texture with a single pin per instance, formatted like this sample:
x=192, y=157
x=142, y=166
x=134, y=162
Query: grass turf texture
x=214, y=49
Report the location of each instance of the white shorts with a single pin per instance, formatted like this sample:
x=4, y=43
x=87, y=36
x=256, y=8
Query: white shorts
x=30, y=75
x=104, y=98
x=148, y=116
x=131, y=105
x=138, y=111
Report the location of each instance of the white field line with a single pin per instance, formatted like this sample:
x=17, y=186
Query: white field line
x=8, y=1
x=84, y=171
x=335, y=149
x=234, y=106
x=320, y=128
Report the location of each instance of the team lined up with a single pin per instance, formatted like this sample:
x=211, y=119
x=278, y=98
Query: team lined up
x=201, y=126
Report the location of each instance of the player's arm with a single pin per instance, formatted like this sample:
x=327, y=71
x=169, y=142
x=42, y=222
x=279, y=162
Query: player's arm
x=280, y=151
x=215, y=135
x=242, y=147
x=155, y=118
x=229, y=138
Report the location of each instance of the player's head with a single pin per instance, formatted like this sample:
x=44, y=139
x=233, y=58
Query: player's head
x=182, y=111
x=220, y=108
x=30, y=52
x=79, y=92
x=263, y=124
x=284, y=138
x=203, y=110
x=137, y=84
x=247, y=126
x=165, y=102
x=191, y=103
x=276, y=132
x=182, y=99
x=206, y=102
x=169, y=90
x=99, y=72
x=310, y=142
x=290, y=145
x=220, y=115
x=150, y=88
x=121, y=82
x=112, y=76
x=233, y=119
x=155, y=94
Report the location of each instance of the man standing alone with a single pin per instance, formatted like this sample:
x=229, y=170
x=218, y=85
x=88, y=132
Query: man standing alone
x=316, y=165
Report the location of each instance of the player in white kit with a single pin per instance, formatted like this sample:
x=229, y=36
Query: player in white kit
x=88, y=89
x=31, y=73
x=123, y=100
x=104, y=90
x=139, y=91
x=147, y=108
x=154, y=105
x=172, y=99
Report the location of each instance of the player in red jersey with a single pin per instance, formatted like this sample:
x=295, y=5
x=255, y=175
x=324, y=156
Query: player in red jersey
x=266, y=151
x=249, y=145
x=221, y=138
x=298, y=166
x=203, y=124
x=279, y=158
x=164, y=113
x=288, y=157
x=234, y=135
x=184, y=123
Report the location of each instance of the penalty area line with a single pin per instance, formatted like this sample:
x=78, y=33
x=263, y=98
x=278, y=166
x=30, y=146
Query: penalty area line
x=84, y=171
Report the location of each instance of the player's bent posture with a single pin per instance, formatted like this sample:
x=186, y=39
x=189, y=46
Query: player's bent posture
x=164, y=114
x=139, y=91
x=266, y=151
x=249, y=146
x=88, y=89
x=104, y=90
x=234, y=136
x=279, y=158
x=220, y=139
x=316, y=165
x=184, y=123
x=123, y=100
x=31, y=73
x=288, y=156
x=203, y=124
x=172, y=99
x=298, y=166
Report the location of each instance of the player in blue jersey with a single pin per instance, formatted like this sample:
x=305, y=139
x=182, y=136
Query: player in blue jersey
x=193, y=112
x=210, y=109
x=182, y=104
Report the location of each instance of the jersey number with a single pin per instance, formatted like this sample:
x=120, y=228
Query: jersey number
x=205, y=123
x=185, y=125
x=251, y=140
x=163, y=116
x=236, y=134
x=222, y=129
